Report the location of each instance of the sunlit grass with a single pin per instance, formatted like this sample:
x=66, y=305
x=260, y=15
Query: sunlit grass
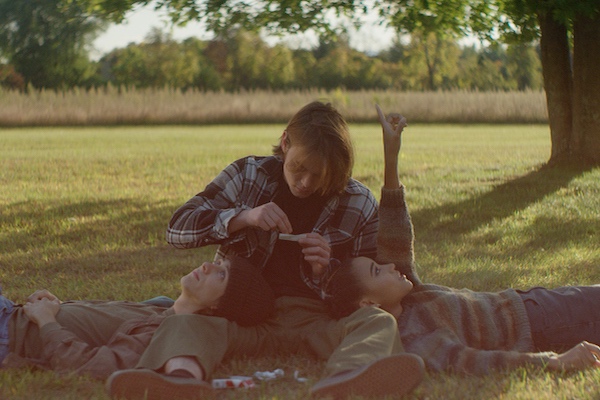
x=83, y=213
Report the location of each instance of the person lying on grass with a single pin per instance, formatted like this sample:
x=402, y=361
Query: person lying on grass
x=100, y=337
x=304, y=189
x=462, y=330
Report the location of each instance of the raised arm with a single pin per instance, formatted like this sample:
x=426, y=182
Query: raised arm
x=392, y=127
x=395, y=239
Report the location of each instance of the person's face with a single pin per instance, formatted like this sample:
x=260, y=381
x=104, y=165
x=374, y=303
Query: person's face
x=383, y=284
x=302, y=171
x=205, y=285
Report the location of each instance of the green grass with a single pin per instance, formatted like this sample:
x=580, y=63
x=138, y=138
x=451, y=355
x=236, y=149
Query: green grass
x=83, y=214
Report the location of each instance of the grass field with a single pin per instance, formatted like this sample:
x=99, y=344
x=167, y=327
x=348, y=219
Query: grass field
x=83, y=214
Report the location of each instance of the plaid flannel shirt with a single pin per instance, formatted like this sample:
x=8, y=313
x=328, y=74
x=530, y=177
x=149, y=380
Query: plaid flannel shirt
x=348, y=222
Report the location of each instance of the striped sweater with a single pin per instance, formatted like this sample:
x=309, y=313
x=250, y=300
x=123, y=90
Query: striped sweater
x=451, y=329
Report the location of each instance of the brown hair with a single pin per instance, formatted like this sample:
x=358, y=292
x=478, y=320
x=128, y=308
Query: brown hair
x=248, y=298
x=343, y=291
x=320, y=129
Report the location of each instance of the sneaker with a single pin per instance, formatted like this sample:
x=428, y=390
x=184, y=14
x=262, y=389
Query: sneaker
x=395, y=375
x=146, y=384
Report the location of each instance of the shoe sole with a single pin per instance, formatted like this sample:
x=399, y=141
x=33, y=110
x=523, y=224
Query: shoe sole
x=395, y=375
x=149, y=385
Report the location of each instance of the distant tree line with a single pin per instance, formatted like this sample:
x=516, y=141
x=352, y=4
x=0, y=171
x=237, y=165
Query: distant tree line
x=43, y=44
x=46, y=44
x=241, y=60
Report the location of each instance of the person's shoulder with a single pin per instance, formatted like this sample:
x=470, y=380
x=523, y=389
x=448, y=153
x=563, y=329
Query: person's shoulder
x=357, y=188
x=256, y=168
x=358, y=197
x=267, y=162
x=428, y=292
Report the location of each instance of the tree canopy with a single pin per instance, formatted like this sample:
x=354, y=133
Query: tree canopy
x=567, y=30
x=564, y=28
x=47, y=40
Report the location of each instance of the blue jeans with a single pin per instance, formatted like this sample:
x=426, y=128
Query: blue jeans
x=160, y=301
x=6, y=308
x=562, y=318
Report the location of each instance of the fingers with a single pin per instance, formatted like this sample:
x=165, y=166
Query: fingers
x=317, y=252
x=37, y=295
x=278, y=220
x=42, y=311
x=386, y=122
x=594, y=348
x=41, y=305
x=591, y=353
x=400, y=123
x=315, y=244
x=397, y=122
x=380, y=114
x=394, y=122
x=41, y=294
x=41, y=302
x=582, y=356
x=269, y=217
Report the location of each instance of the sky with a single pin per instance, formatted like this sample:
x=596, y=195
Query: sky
x=139, y=22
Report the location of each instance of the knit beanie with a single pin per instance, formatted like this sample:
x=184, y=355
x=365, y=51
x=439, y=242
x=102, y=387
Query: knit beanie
x=248, y=299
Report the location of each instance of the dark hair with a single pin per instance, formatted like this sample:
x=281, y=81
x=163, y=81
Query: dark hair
x=322, y=130
x=248, y=298
x=343, y=291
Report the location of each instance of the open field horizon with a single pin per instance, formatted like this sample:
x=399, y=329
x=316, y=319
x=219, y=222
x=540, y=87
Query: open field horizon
x=121, y=106
x=83, y=212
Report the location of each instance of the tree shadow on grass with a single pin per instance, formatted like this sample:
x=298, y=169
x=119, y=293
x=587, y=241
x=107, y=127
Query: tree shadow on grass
x=120, y=274
x=450, y=224
x=35, y=224
x=123, y=239
x=449, y=220
x=94, y=249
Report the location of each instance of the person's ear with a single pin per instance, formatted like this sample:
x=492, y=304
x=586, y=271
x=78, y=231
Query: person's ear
x=285, y=142
x=368, y=303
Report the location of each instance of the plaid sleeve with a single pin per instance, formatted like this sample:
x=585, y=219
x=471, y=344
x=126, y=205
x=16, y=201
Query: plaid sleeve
x=365, y=243
x=204, y=218
x=352, y=229
x=358, y=218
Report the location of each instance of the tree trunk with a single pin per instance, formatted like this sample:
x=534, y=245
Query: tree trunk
x=586, y=90
x=556, y=68
x=426, y=42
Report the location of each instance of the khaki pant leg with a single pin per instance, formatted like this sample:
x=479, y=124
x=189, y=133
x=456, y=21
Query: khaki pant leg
x=366, y=335
x=349, y=343
x=208, y=339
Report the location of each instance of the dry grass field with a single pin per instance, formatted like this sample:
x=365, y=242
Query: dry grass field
x=113, y=106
